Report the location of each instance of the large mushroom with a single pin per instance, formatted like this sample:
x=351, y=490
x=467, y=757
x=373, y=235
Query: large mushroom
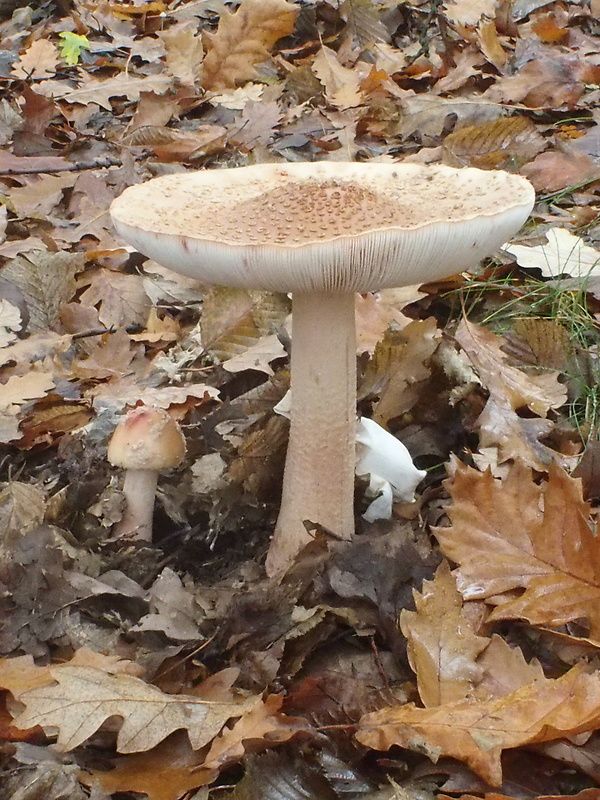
x=322, y=231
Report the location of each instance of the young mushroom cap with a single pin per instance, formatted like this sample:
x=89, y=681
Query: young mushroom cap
x=147, y=438
x=145, y=442
x=322, y=231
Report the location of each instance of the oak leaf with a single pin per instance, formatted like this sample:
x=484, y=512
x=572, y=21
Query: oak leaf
x=511, y=389
x=38, y=62
x=244, y=39
x=342, y=85
x=477, y=732
x=513, y=534
x=83, y=698
x=442, y=646
x=122, y=298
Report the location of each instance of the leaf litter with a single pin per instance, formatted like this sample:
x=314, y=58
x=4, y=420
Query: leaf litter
x=450, y=651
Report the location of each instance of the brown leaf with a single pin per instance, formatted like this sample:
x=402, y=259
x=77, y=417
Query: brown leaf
x=38, y=62
x=398, y=366
x=263, y=724
x=167, y=772
x=244, y=39
x=47, y=280
x=558, y=169
x=184, y=51
x=83, y=698
x=234, y=320
x=506, y=143
x=549, y=81
x=342, y=85
x=514, y=534
x=100, y=91
x=122, y=298
x=477, y=732
x=442, y=646
x=509, y=390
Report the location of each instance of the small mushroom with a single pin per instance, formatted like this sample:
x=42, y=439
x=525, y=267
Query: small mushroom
x=322, y=231
x=145, y=442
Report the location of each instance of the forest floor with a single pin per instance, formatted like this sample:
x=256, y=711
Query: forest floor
x=450, y=651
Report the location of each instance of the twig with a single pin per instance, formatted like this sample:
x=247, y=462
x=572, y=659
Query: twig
x=53, y=166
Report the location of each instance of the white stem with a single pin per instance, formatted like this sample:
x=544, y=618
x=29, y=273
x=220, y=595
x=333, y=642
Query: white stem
x=318, y=482
x=139, y=489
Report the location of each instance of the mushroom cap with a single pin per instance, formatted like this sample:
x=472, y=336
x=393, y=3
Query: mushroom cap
x=323, y=226
x=147, y=438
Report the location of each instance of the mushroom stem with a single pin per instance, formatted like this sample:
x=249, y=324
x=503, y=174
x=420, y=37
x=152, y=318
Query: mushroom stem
x=139, y=488
x=318, y=481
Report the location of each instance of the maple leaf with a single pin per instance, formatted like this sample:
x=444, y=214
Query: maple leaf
x=514, y=534
x=84, y=698
x=477, y=732
x=244, y=39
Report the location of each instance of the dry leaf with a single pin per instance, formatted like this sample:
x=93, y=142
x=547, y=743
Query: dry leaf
x=398, y=367
x=468, y=12
x=234, y=320
x=184, y=51
x=46, y=280
x=38, y=62
x=342, y=85
x=514, y=534
x=559, y=169
x=564, y=254
x=442, y=646
x=510, y=389
x=506, y=143
x=122, y=298
x=244, y=39
x=167, y=772
x=477, y=732
x=84, y=698
x=100, y=91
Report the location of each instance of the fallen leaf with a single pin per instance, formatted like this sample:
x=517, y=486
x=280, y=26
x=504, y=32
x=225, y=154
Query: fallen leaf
x=564, y=254
x=511, y=389
x=442, y=646
x=559, y=169
x=513, y=534
x=100, y=91
x=234, y=320
x=477, y=732
x=121, y=298
x=84, y=698
x=506, y=143
x=38, y=62
x=46, y=280
x=184, y=51
x=342, y=85
x=244, y=39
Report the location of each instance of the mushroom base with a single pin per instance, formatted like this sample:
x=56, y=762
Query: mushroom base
x=318, y=483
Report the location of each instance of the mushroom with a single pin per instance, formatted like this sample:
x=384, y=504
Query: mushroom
x=322, y=231
x=145, y=442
